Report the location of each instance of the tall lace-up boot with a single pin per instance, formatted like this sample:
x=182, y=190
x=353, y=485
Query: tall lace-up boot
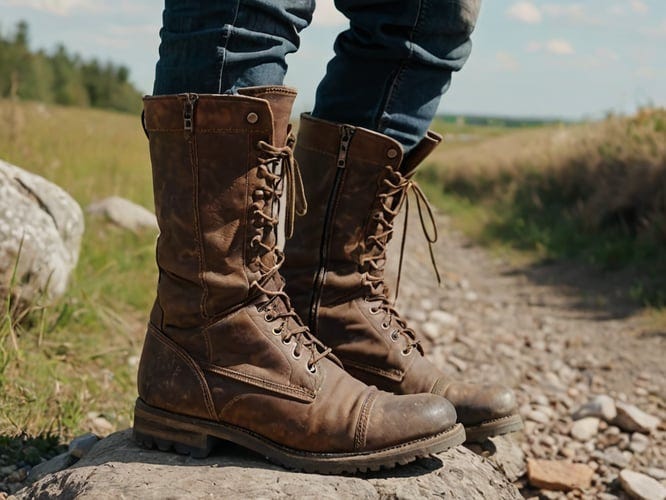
x=335, y=269
x=225, y=355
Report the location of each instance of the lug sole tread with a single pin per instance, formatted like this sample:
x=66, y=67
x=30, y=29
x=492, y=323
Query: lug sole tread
x=165, y=431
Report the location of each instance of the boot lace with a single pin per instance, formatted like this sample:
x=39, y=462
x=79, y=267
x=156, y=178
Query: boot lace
x=397, y=190
x=280, y=172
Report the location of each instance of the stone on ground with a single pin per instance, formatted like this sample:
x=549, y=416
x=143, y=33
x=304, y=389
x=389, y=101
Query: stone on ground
x=117, y=468
x=632, y=419
x=123, y=213
x=642, y=487
x=81, y=445
x=600, y=406
x=585, y=428
x=40, y=235
x=558, y=475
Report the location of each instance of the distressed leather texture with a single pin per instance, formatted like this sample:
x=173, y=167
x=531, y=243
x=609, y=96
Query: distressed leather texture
x=223, y=343
x=335, y=265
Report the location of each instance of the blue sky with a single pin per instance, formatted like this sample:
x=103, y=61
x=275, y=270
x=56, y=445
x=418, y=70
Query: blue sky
x=530, y=58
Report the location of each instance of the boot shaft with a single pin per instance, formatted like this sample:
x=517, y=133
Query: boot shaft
x=213, y=197
x=351, y=175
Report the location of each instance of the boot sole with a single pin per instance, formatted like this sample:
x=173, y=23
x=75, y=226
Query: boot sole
x=496, y=427
x=155, y=428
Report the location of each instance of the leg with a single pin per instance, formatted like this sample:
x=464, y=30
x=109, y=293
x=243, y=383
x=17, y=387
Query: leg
x=359, y=163
x=225, y=356
x=219, y=46
x=394, y=63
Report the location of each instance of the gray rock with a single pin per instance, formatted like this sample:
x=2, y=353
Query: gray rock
x=443, y=318
x=639, y=442
x=632, y=419
x=537, y=416
x=81, y=445
x=600, y=406
x=640, y=486
x=40, y=234
x=117, y=468
x=123, y=213
x=659, y=474
x=17, y=476
x=56, y=464
x=585, y=428
x=615, y=456
x=430, y=330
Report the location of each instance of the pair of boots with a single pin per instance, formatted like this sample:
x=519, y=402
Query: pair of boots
x=226, y=357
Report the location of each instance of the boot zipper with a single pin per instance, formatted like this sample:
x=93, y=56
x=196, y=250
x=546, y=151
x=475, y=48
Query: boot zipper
x=188, y=112
x=346, y=134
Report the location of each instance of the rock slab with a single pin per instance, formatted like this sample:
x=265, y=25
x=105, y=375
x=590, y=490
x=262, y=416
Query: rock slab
x=558, y=475
x=40, y=235
x=117, y=468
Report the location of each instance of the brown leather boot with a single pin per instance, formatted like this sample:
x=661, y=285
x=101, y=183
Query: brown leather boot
x=335, y=269
x=225, y=355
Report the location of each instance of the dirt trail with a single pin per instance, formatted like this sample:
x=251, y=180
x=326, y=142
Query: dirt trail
x=558, y=334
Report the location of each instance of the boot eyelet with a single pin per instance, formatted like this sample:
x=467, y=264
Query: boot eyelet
x=406, y=352
x=269, y=317
x=286, y=343
x=277, y=331
x=293, y=354
x=395, y=336
x=385, y=325
x=374, y=310
x=312, y=368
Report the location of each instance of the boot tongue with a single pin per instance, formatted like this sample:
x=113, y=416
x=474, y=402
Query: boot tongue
x=419, y=153
x=281, y=100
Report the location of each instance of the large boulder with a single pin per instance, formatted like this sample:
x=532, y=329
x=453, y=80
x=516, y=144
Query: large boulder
x=117, y=468
x=40, y=235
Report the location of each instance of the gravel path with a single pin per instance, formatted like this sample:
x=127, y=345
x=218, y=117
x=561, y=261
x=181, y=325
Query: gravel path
x=589, y=375
x=560, y=336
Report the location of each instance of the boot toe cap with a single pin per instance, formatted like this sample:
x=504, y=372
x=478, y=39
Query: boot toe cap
x=397, y=419
x=476, y=403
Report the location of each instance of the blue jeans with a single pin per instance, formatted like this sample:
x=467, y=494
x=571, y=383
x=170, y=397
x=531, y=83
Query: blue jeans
x=389, y=72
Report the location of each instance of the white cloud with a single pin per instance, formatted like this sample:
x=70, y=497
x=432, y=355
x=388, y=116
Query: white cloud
x=525, y=12
x=573, y=12
x=534, y=46
x=606, y=54
x=658, y=31
x=646, y=73
x=327, y=15
x=506, y=61
x=639, y=6
x=559, y=47
x=59, y=7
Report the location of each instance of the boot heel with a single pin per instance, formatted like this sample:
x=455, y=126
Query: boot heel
x=154, y=431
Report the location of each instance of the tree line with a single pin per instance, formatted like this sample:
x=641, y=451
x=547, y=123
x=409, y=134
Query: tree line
x=61, y=77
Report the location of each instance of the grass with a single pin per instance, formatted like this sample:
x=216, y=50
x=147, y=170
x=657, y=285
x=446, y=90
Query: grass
x=594, y=193
x=65, y=362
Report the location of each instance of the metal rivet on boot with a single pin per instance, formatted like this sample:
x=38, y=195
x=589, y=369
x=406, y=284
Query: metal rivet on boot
x=252, y=117
x=392, y=153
